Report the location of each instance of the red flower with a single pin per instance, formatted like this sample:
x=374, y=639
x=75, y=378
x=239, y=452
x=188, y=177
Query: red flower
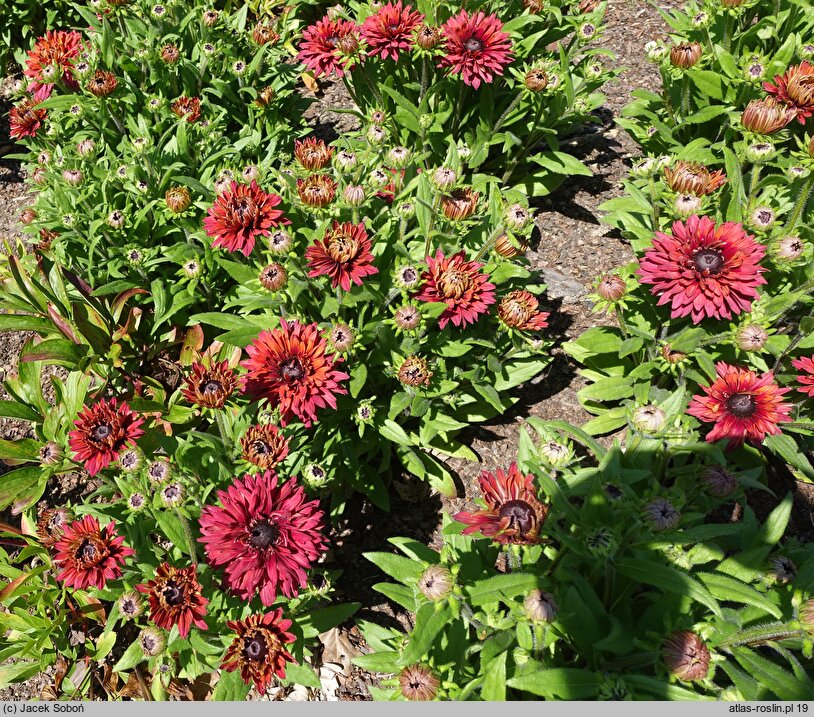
x=513, y=514
x=457, y=282
x=25, y=119
x=312, y=153
x=102, y=431
x=175, y=598
x=476, y=47
x=90, y=555
x=806, y=379
x=265, y=536
x=56, y=49
x=742, y=405
x=327, y=45
x=796, y=89
x=343, y=254
x=291, y=369
x=259, y=651
x=264, y=446
x=187, y=107
x=704, y=270
x=390, y=30
x=240, y=215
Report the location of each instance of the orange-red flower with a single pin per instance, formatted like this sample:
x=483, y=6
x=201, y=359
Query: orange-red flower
x=513, y=513
x=291, y=368
x=389, y=30
x=458, y=283
x=176, y=598
x=318, y=190
x=766, y=116
x=343, y=254
x=703, y=270
x=259, y=650
x=520, y=310
x=102, y=431
x=805, y=379
x=476, y=47
x=264, y=446
x=328, y=45
x=209, y=386
x=57, y=49
x=795, y=88
x=25, y=119
x=89, y=555
x=743, y=405
x=188, y=108
x=240, y=215
x=312, y=153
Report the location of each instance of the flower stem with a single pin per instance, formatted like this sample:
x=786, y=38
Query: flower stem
x=759, y=634
x=436, y=203
x=792, y=345
x=755, y=180
x=800, y=205
x=458, y=109
x=685, y=96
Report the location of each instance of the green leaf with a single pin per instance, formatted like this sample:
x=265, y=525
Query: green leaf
x=429, y=621
x=501, y=587
x=392, y=431
x=661, y=689
x=775, y=526
x=357, y=379
x=494, y=682
x=23, y=486
x=23, y=322
x=667, y=579
x=25, y=449
x=785, y=685
x=387, y=662
x=728, y=589
x=132, y=656
x=561, y=163
x=404, y=570
x=18, y=672
x=301, y=675
x=57, y=351
x=564, y=683
x=315, y=622
x=712, y=84
x=230, y=687
x=607, y=389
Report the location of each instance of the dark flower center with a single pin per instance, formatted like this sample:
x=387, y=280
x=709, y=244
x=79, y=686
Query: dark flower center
x=263, y=535
x=764, y=217
x=212, y=387
x=332, y=40
x=100, y=432
x=255, y=648
x=173, y=593
x=708, y=261
x=392, y=27
x=473, y=44
x=261, y=448
x=292, y=370
x=246, y=210
x=86, y=551
x=520, y=514
x=741, y=405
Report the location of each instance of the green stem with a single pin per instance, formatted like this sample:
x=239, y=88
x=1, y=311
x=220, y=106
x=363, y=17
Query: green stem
x=800, y=205
x=456, y=122
x=799, y=336
x=755, y=180
x=529, y=143
x=188, y=535
x=685, y=96
x=435, y=206
x=221, y=424
x=488, y=243
x=425, y=80
x=505, y=114
x=759, y=634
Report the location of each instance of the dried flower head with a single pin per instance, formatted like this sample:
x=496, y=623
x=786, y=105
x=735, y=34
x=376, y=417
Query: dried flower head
x=51, y=525
x=520, y=310
x=693, y=178
x=102, y=84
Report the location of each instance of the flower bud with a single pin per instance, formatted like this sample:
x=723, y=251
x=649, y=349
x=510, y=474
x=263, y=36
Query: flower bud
x=700, y=20
x=760, y=152
x=28, y=215
x=116, y=219
x=718, y=481
x=428, y=37
x=250, y=173
x=376, y=135
x=611, y=287
x=782, y=570
x=649, y=419
x=655, y=51
x=517, y=217
x=686, y=205
x=762, y=218
x=314, y=476
x=172, y=495
x=136, y=502
x=264, y=34
x=130, y=460
x=210, y=17
x=435, y=583
x=751, y=337
x=265, y=97
x=341, y=338
x=170, y=54
x=346, y=160
x=415, y=372
x=686, y=656
x=536, y=79
x=86, y=147
x=406, y=209
x=806, y=617
x=407, y=277
x=398, y=157
x=600, y=542
x=50, y=454
x=418, y=683
x=540, y=606
x=661, y=514
x=177, y=199
x=273, y=277
x=130, y=605
x=152, y=641
x=505, y=248
x=365, y=413
x=159, y=471
x=556, y=454
x=444, y=177
x=354, y=195
x=279, y=241
x=685, y=54
x=73, y=177
x=787, y=249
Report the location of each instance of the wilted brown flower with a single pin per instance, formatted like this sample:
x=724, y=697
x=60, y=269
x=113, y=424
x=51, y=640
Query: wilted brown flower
x=534, y=6
x=685, y=54
x=102, y=83
x=586, y=6
x=177, y=199
x=520, y=310
x=28, y=215
x=265, y=96
x=415, y=372
x=693, y=178
x=188, y=107
x=418, y=682
x=460, y=204
x=686, y=656
x=671, y=356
